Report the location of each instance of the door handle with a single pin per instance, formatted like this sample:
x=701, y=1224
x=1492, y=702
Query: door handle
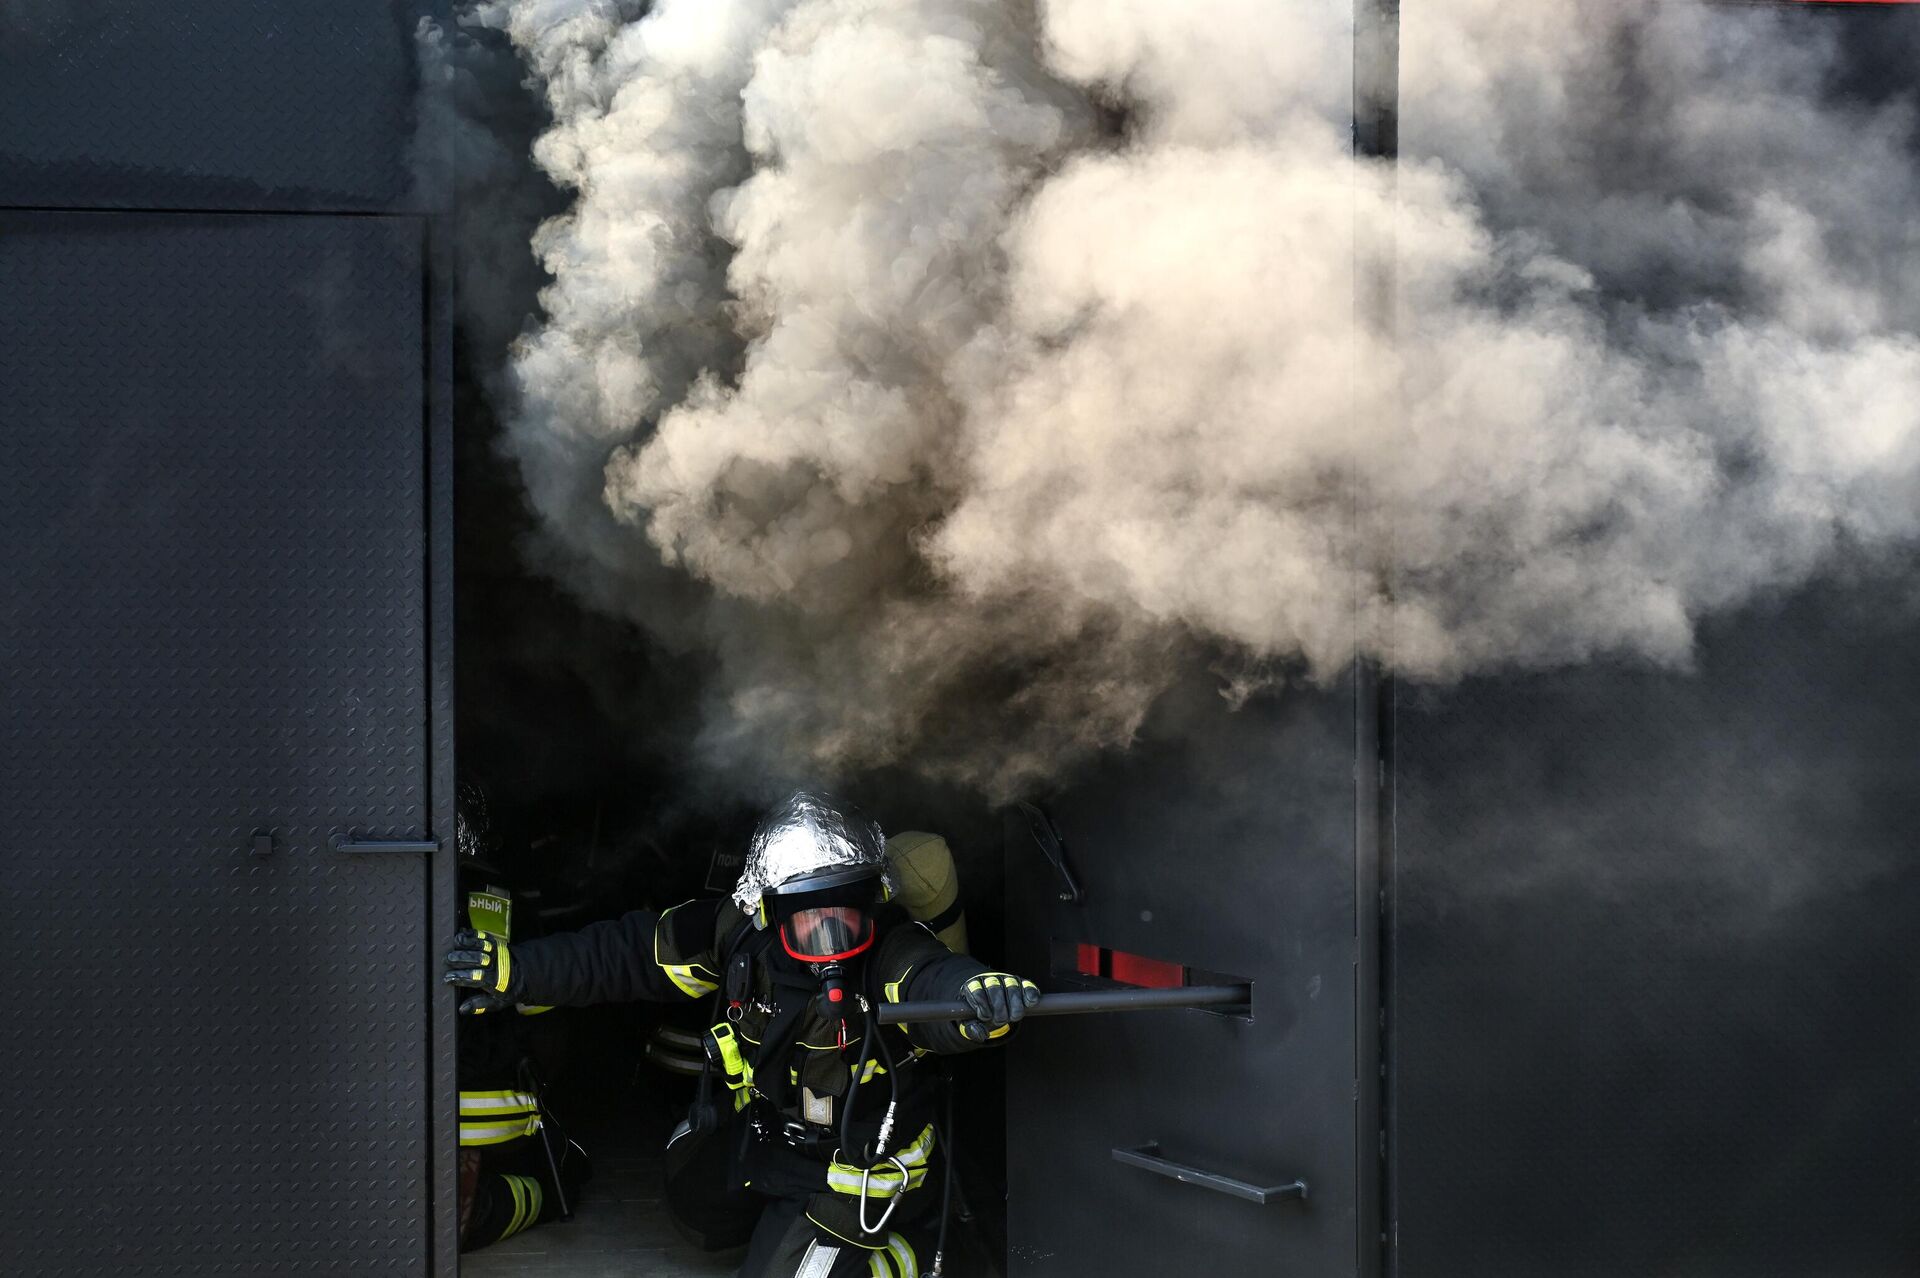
x=1147, y=1158
x=347, y=843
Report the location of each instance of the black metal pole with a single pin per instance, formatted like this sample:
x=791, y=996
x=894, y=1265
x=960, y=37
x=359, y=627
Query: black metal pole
x=1077, y=1002
x=531, y=1081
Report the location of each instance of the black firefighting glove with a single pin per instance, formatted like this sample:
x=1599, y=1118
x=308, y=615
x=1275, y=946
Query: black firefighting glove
x=998, y=1000
x=481, y=962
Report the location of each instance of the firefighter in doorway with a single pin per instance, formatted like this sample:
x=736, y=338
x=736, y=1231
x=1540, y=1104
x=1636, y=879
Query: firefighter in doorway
x=517, y=1167
x=829, y=1120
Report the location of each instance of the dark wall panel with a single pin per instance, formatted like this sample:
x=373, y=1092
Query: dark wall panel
x=229, y=104
x=1226, y=842
x=214, y=624
x=1655, y=1003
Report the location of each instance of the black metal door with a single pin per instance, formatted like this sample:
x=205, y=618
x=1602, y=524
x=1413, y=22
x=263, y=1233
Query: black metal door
x=1225, y=843
x=215, y=635
x=1657, y=974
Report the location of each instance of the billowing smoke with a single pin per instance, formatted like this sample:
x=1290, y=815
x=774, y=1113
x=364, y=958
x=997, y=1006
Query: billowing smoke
x=956, y=372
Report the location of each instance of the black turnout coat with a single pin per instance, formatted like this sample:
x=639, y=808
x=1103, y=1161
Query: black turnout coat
x=790, y=1038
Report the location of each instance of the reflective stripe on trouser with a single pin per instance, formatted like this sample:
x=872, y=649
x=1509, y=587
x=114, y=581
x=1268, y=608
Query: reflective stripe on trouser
x=494, y=1118
x=817, y=1261
x=885, y=1180
x=895, y=1261
x=527, y=1199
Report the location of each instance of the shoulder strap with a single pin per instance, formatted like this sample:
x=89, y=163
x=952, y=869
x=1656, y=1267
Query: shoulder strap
x=742, y=946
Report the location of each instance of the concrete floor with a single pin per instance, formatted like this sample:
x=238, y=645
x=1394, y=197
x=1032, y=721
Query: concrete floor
x=619, y=1230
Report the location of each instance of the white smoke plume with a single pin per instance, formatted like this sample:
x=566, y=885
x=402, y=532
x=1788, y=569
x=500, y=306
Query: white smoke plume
x=956, y=371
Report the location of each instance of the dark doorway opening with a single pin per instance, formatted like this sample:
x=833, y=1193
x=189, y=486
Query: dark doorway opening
x=573, y=729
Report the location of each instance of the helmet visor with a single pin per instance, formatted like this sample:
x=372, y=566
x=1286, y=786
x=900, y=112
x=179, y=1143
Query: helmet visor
x=827, y=933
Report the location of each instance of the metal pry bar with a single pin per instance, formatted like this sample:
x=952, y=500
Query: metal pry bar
x=1079, y=1002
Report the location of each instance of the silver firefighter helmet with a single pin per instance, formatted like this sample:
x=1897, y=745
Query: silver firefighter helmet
x=806, y=834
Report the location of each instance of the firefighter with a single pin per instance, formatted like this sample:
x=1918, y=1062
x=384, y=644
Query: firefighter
x=517, y=1168
x=830, y=1118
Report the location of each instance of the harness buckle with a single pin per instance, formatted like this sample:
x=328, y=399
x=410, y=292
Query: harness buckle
x=806, y=1135
x=893, y=1203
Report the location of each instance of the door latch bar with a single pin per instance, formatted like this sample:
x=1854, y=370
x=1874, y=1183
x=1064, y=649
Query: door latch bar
x=347, y=843
x=1147, y=1158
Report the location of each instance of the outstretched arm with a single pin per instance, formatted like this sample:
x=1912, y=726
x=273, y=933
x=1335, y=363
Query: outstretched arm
x=918, y=967
x=639, y=956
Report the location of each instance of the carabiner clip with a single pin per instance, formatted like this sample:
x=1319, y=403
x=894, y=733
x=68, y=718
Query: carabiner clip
x=866, y=1178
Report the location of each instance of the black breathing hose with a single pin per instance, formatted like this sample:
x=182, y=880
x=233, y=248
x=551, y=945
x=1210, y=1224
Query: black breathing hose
x=867, y=1039
x=886, y=1060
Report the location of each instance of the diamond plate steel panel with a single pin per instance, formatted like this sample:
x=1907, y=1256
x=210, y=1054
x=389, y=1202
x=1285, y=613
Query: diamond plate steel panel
x=227, y=104
x=214, y=623
x=1655, y=971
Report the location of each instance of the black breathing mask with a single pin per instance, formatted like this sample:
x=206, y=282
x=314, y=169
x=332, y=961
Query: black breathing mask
x=825, y=919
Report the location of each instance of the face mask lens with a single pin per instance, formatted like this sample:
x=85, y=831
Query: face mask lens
x=828, y=932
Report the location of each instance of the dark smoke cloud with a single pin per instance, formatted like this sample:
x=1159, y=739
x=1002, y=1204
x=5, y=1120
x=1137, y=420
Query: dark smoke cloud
x=953, y=411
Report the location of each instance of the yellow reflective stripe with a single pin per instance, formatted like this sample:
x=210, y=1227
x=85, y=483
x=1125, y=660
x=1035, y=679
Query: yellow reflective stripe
x=513, y=1192
x=498, y=1133
x=915, y=1155
x=528, y=1197
x=491, y=1103
x=873, y=1068
x=535, y=1197
x=681, y=974
x=878, y=1266
x=893, y=991
x=1002, y=1032
x=904, y=1261
x=503, y=965
x=522, y=1216
x=885, y=1181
